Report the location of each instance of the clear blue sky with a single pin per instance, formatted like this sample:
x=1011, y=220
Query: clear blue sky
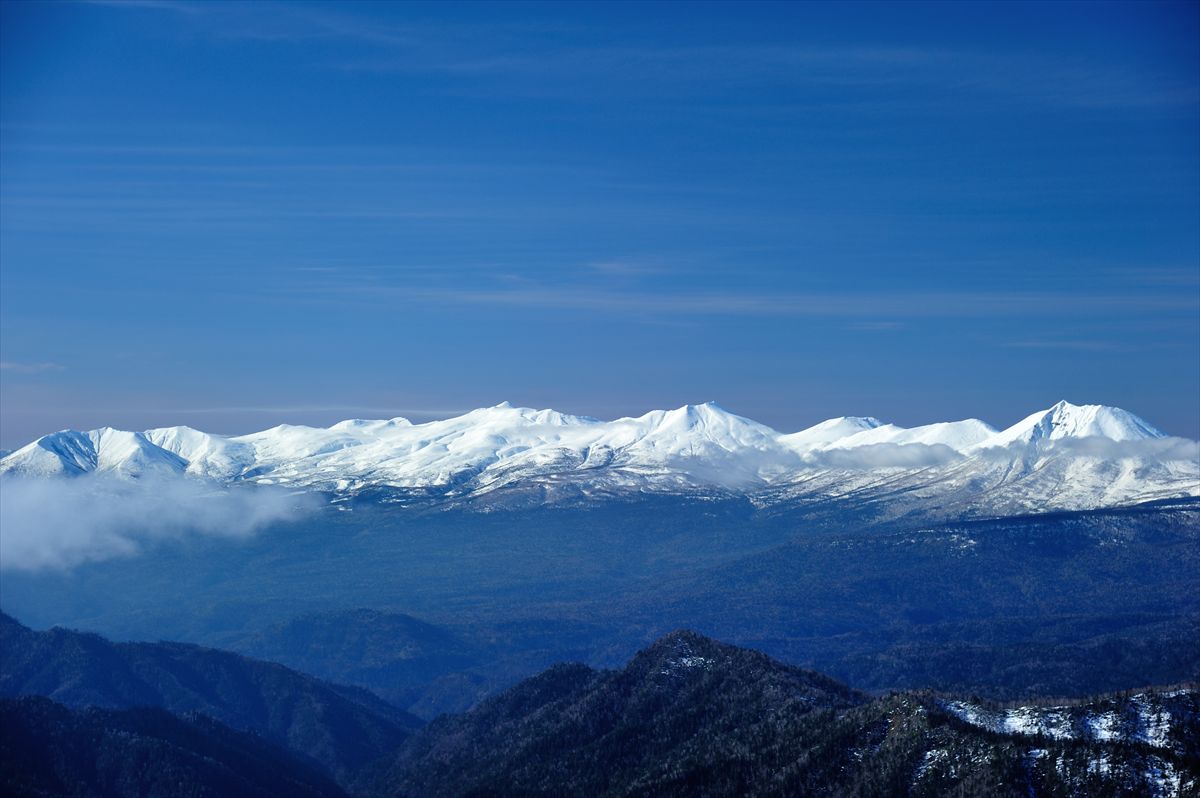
x=233, y=215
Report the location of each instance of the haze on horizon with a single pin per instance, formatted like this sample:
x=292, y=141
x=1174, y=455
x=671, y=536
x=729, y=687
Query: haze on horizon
x=236, y=215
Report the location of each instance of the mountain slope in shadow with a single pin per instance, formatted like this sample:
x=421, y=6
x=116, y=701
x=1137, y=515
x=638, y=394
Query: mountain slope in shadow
x=343, y=729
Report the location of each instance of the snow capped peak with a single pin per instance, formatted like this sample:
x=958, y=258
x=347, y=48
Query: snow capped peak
x=506, y=413
x=132, y=454
x=709, y=421
x=183, y=441
x=206, y=455
x=860, y=422
x=702, y=413
x=363, y=423
x=829, y=431
x=709, y=407
x=66, y=452
x=1065, y=420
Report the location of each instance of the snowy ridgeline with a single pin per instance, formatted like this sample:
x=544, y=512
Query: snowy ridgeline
x=1148, y=717
x=1162, y=724
x=1068, y=457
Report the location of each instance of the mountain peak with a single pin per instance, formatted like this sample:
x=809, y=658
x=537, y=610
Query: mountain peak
x=710, y=421
x=682, y=638
x=366, y=423
x=830, y=431
x=1065, y=420
x=702, y=410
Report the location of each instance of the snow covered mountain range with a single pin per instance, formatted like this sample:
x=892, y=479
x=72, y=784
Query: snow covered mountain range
x=1065, y=457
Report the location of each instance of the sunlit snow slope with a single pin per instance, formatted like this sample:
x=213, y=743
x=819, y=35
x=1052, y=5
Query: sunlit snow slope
x=1066, y=457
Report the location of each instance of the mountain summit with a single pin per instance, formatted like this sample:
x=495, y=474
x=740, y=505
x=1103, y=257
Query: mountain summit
x=1065, y=420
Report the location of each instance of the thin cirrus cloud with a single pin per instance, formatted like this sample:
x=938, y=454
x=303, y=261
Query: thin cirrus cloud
x=538, y=57
x=154, y=5
x=1079, y=345
x=381, y=410
x=998, y=74
x=372, y=411
x=13, y=367
x=850, y=305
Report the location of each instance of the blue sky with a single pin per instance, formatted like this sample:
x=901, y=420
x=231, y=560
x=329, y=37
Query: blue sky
x=233, y=216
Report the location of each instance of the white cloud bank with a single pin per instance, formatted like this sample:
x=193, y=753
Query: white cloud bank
x=883, y=455
x=62, y=522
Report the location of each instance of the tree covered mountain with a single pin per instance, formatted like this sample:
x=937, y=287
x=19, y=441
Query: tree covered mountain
x=690, y=716
x=686, y=716
x=343, y=729
x=47, y=749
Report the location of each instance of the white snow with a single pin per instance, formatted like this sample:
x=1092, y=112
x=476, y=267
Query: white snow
x=692, y=448
x=830, y=431
x=1052, y=722
x=1163, y=778
x=1154, y=723
x=931, y=758
x=958, y=435
x=1105, y=726
x=1102, y=723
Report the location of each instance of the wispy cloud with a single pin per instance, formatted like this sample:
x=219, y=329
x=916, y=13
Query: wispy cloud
x=28, y=368
x=1184, y=276
x=681, y=71
x=522, y=55
x=912, y=304
x=1079, y=345
x=619, y=267
x=383, y=411
x=177, y=6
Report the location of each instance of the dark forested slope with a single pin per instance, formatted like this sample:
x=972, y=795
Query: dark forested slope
x=690, y=716
x=47, y=749
x=344, y=729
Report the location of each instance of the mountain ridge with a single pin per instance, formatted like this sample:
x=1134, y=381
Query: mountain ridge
x=1065, y=457
x=689, y=715
x=685, y=715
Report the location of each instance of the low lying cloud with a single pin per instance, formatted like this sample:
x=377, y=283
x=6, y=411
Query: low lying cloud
x=883, y=455
x=61, y=522
x=1161, y=450
x=1155, y=450
x=918, y=455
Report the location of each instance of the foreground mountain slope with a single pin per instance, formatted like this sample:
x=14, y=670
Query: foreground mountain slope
x=48, y=749
x=572, y=730
x=690, y=716
x=343, y=729
x=1065, y=457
